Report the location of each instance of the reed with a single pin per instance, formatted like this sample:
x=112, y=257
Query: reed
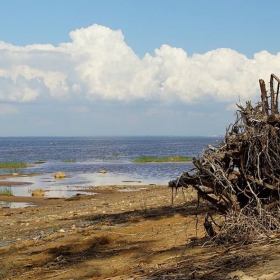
x=70, y=160
x=11, y=165
x=145, y=159
x=6, y=191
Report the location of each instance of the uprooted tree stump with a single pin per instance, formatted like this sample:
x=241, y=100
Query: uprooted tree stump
x=243, y=170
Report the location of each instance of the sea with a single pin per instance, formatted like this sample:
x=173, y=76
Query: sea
x=82, y=159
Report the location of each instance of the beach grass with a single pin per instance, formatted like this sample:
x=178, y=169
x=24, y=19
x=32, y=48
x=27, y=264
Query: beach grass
x=6, y=191
x=12, y=165
x=146, y=159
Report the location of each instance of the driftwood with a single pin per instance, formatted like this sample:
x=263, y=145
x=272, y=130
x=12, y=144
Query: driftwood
x=243, y=170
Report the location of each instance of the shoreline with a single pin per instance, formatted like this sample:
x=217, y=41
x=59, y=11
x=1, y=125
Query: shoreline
x=96, y=191
x=73, y=184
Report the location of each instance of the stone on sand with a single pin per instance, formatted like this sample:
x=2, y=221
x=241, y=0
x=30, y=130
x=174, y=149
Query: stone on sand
x=59, y=175
x=38, y=192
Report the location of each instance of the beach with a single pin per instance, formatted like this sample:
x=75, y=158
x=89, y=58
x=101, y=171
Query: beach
x=123, y=232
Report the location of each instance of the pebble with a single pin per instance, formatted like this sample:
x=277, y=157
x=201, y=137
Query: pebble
x=59, y=258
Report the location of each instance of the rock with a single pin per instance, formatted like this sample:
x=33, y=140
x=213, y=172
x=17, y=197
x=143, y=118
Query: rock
x=15, y=174
x=103, y=171
x=38, y=192
x=59, y=175
x=59, y=258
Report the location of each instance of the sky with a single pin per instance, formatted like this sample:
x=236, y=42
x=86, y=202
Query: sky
x=132, y=67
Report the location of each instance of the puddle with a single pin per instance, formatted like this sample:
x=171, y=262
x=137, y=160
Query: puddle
x=6, y=204
x=73, y=184
x=131, y=181
x=132, y=190
x=65, y=192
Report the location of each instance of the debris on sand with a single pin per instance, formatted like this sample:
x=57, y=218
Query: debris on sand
x=242, y=174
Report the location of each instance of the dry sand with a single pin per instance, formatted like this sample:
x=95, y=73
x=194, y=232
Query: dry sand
x=120, y=234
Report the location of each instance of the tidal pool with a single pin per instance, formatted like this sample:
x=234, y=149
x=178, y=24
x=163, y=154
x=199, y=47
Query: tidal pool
x=73, y=184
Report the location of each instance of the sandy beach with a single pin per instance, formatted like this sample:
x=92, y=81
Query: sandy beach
x=123, y=232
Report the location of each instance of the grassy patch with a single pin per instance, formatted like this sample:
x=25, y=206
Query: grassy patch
x=11, y=165
x=70, y=160
x=6, y=191
x=146, y=159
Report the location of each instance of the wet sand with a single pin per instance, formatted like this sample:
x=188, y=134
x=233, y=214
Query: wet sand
x=10, y=182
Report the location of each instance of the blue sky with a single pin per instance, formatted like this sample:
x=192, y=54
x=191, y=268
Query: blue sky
x=91, y=68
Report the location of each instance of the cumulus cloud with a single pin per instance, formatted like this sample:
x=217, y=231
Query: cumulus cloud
x=98, y=64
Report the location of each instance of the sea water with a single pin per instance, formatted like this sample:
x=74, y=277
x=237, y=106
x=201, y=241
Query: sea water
x=82, y=158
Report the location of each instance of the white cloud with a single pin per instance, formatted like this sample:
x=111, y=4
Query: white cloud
x=98, y=64
x=19, y=89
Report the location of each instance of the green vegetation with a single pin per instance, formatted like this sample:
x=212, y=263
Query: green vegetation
x=54, y=227
x=11, y=165
x=146, y=159
x=70, y=160
x=6, y=191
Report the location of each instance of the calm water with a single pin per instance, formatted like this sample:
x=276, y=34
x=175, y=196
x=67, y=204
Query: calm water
x=83, y=158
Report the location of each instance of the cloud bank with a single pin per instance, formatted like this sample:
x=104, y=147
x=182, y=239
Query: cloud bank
x=98, y=64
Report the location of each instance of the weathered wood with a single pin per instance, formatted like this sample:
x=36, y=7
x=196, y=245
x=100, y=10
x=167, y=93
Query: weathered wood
x=264, y=97
x=277, y=91
x=272, y=96
x=273, y=119
x=245, y=168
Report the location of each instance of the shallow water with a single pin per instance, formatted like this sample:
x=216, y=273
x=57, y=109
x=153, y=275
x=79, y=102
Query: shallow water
x=90, y=155
x=6, y=204
x=73, y=184
x=82, y=159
